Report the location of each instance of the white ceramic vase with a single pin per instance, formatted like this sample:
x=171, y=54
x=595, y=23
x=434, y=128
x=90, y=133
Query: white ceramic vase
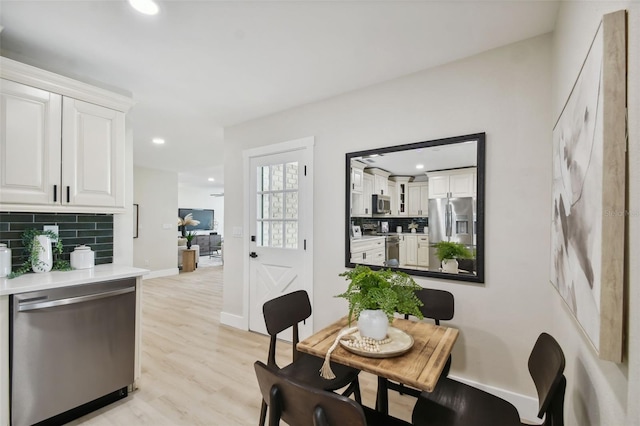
x=373, y=324
x=45, y=254
x=450, y=266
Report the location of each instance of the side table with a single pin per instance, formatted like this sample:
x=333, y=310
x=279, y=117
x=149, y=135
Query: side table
x=188, y=260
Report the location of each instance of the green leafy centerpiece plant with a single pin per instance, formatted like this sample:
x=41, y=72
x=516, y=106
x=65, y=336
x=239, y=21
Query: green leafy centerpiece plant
x=189, y=237
x=448, y=252
x=32, y=249
x=384, y=292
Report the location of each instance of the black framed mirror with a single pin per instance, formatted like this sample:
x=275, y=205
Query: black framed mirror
x=407, y=206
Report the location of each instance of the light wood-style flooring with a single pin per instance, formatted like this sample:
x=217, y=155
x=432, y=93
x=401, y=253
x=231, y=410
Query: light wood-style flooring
x=196, y=371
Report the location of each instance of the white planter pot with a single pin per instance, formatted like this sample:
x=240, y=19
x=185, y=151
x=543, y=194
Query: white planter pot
x=373, y=324
x=450, y=266
x=45, y=254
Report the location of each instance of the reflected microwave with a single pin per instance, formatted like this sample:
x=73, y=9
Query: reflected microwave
x=380, y=204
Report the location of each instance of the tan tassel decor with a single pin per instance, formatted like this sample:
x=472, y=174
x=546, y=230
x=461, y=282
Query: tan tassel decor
x=325, y=371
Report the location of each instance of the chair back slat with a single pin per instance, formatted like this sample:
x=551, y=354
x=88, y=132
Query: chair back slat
x=301, y=405
x=437, y=304
x=546, y=365
x=285, y=311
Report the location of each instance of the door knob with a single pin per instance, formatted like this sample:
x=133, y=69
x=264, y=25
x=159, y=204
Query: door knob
x=253, y=254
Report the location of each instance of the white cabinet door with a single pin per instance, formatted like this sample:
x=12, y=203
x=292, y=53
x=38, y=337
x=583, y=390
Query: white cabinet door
x=461, y=185
x=423, y=250
x=367, y=192
x=394, y=198
x=356, y=179
x=418, y=199
x=380, y=185
x=29, y=144
x=412, y=249
x=438, y=186
x=403, y=251
x=92, y=155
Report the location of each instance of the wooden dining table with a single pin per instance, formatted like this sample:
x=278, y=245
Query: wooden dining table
x=420, y=367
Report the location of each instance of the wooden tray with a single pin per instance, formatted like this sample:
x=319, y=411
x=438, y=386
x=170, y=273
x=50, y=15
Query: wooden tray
x=400, y=343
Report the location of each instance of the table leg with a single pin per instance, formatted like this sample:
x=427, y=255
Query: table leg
x=382, y=398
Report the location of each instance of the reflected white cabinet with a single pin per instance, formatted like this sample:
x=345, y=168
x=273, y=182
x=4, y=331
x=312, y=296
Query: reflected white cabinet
x=418, y=199
x=368, y=251
x=423, y=250
x=453, y=183
x=411, y=242
x=400, y=197
x=60, y=152
x=357, y=175
x=403, y=251
x=380, y=181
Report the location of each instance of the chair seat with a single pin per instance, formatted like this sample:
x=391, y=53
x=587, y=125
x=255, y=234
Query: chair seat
x=306, y=369
x=453, y=403
x=376, y=418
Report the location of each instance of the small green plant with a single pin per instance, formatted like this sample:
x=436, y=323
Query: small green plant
x=390, y=291
x=190, y=236
x=32, y=248
x=451, y=250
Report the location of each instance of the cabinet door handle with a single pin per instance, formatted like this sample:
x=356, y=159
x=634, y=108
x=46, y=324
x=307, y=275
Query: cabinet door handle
x=55, y=193
x=68, y=192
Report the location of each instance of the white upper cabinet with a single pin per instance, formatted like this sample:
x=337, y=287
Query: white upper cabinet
x=453, y=183
x=92, y=155
x=380, y=181
x=357, y=175
x=418, y=199
x=29, y=144
x=62, y=143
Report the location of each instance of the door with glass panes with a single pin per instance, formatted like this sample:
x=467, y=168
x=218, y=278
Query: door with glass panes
x=279, y=257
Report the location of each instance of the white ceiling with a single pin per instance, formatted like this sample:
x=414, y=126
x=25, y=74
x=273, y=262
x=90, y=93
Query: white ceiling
x=198, y=66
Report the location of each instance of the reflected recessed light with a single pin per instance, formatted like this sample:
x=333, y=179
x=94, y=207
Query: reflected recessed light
x=148, y=7
x=419, y=166
x=211, y=179
x=158, y=141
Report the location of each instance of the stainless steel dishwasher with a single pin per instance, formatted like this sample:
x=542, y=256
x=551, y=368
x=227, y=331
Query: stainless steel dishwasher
x=70, y=346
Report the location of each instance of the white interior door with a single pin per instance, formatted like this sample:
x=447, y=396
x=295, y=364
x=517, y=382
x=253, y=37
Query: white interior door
x=280, y=225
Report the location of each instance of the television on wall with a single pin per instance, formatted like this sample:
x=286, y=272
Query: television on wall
x=204, y=216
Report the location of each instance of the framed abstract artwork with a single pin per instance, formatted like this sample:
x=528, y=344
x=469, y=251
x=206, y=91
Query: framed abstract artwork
x=588, y=216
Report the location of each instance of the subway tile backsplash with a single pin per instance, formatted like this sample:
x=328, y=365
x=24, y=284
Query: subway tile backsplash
x=94, y=230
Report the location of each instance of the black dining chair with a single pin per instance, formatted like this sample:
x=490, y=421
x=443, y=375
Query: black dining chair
x=299, y=404
x=288, y=311
x=456, y=404
x=437, y=305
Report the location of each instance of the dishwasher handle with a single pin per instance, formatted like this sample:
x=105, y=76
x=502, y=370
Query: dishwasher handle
x=34, y=305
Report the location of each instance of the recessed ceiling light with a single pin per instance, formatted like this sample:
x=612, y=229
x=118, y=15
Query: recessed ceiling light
x=211, y=179
x=419, y=166
x=158, y=141
x=148, y=7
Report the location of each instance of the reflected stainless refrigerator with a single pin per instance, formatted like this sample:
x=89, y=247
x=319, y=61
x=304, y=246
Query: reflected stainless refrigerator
x=450, y=219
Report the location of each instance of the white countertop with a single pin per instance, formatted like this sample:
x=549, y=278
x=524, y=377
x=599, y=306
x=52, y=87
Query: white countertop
x=56, y=279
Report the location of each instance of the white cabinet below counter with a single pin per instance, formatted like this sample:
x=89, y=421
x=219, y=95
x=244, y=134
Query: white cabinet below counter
x=368, y=251
x=414, y=250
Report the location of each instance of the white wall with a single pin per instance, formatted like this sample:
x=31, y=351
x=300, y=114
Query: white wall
x=196, y=197
x=506, y=93
x=601, y=392
x=156, y=193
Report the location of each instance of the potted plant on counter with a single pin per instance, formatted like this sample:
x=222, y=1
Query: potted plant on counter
x=448, y=252
x=375, y=296
x=40, y=254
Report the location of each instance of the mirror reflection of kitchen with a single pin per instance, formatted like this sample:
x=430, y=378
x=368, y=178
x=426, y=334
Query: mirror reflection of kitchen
x=404, y=202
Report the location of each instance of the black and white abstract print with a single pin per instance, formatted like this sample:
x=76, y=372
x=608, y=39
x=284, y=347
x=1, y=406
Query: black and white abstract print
x=576, y=229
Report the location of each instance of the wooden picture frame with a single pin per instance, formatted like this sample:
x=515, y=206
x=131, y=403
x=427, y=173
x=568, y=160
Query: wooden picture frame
x=589, y=190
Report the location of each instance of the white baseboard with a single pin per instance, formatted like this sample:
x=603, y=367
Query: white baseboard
x=232, y=320
x=161, y=273
x=526, y=405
